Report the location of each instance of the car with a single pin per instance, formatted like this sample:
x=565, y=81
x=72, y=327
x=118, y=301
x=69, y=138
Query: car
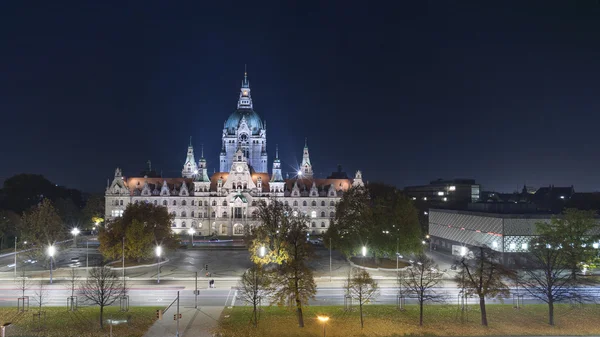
x=214, y=240
x=75, y=259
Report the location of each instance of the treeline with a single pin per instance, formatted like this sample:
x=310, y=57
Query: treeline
x=25, y=195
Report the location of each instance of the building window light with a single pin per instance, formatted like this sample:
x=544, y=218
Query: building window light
x=440, y=193
x=425, y=198
x=562, y=196
x=524, y=246
x=414, y=198
x=595, y=245
x=512, y=246
x=495, y=244
x=452, y=188
x=425, y=213
x=445, y=199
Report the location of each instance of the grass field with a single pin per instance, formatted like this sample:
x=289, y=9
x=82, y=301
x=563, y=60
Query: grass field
x=81, y=323
x=384, y=320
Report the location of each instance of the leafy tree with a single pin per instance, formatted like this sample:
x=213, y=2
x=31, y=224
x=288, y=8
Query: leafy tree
x=9, y=221
x=363, y=288
x=41, y=226
x=484, y=276
x=94, y=210
x=294, y=279
x=138, y=241
x=420, y=279
x=155, y=221
x=548, y=277
x=254, y=287
x=575, y=231
x=102, y=288
x=378, y=216
x=271, y=234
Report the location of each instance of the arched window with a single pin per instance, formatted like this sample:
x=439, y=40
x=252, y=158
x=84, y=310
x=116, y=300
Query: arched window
x=121, y=202
x=212, y=214
x=192, y=214
x=192, y=204
x=254, y=213
x=174, y=202
x=304, y=203
x=183, y=224
x=253, y=202
x=224, y=202
x=205, y=203
x=136, y=202
x=224, y=214
x=214, y=203
x=295, y=202
x=155, y=202
x=331, y=214
x=173, y=213
x=173, y=225
x=331, y=203
x=183, y=214
x=314, y=224
x=314, y=203
x=164, y=203
x=322, y=214
x=286, y=203
x=183, y=203
x=323, y=224
x=313, y=214
x=322, y=202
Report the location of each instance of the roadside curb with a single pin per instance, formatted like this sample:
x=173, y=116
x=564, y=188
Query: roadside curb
x=352, y=264
x=140, y=266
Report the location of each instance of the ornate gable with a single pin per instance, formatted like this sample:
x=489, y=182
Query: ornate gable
x=164, y=191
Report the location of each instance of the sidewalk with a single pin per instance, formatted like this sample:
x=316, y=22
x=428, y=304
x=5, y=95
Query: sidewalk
x=193, y=323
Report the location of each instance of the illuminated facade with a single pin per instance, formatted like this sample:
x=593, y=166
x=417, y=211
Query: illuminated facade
x=226, y=203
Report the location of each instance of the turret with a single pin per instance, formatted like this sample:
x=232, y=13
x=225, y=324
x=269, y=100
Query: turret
x=276, y=184
x=189, y=167
x=306, y=167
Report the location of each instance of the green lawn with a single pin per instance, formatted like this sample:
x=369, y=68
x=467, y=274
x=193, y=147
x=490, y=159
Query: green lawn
x=384, y=320
x=81, y=323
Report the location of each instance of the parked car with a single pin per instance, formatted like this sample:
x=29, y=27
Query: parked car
x=214, y=240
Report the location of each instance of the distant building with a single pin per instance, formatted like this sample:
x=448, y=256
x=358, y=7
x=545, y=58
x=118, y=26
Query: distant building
x=457, y=232
x=445, y=191
x=549, y=199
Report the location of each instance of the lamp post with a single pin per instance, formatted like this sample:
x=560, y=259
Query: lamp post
x=329, y=259
x=262, y=251
x=398, y=256
x=364, y=251
x=158, y=252
x=15, y=257
x=191, y=231
x=87, y=249
x=51, y=251
x=75, y=231
x=323, y=320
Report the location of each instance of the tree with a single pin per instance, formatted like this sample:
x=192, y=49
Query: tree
x=254, y=287
x=41, y=295
x=72, y=286
x=420, y=279
x=548, y=276
x=378, y=216
x=9, y=221
x=68, y=212
x=294, y=279
x=484, y=276
x=23, y=282
x=42, y=226
x=271, y=234
x=576, y=232
x=93, y=212
x=155, y=222
x=102, y=288
x=363, y=288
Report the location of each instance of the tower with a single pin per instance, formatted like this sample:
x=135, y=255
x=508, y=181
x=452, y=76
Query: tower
x=306, y=166
x=246, y=130
x=189, y=167
x=201, y=180
x=276, y=184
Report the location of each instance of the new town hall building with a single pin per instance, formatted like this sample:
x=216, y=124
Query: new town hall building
x=226, y=203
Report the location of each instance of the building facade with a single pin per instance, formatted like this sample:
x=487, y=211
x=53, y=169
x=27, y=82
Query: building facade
x=226, y=203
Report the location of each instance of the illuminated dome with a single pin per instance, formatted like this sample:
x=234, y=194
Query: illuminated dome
x=254, y=121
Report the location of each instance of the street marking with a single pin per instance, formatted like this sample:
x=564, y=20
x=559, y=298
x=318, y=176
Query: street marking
x=233, y=301
x=228, y=294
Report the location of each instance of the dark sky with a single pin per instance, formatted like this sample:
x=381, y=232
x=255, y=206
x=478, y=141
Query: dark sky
x=505, y=92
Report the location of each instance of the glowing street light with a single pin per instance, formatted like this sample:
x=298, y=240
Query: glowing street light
x=323, y=319
x=75, y=231
x=191, y=231
x=299, y=173
x=158, y=252
x=364, y=251
x=51, y=252
x=262, y=251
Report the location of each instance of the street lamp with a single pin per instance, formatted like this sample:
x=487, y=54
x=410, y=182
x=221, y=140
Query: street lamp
x=398, y=256
x=323, y=320
x=262, y=251
x=192, y=231
x=364, y=251
x=299, y=173
x=51, y=252
x=75, y=232
x=158, y=252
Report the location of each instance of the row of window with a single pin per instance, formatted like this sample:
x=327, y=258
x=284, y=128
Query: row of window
x=116, y=212
x=224, y=203
x=314, y=224
x=313, y=214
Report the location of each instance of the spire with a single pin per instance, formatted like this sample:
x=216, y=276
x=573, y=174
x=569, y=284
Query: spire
x=189, y=167
x=306, y=166
x=245, y=100
x=276, y=151
x=305, y=142
x=190, y=141
x=202, y=149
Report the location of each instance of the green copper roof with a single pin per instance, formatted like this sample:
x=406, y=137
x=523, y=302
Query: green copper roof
x=254, y=121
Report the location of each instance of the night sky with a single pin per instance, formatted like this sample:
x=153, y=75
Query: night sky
x=506, y=92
